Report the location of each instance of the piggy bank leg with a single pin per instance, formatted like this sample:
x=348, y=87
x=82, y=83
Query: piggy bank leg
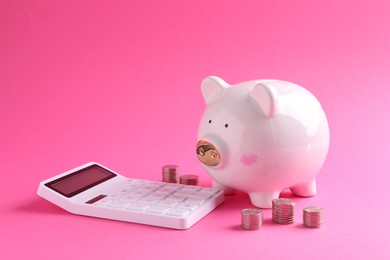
x=263, y=199
x=305, y=189
x=227, y=190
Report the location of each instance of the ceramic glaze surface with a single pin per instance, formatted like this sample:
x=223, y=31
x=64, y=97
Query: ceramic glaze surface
x=262, y=137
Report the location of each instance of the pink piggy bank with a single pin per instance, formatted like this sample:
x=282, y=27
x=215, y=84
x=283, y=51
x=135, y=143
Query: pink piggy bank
x=261, y=137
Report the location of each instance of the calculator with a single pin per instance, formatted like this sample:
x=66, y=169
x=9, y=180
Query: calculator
x=94, y=190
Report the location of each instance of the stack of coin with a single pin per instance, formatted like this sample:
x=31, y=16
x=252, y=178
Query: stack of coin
x=189, y=179
x=251, y=219
x=170, y=173
x=312, y=217
x=283, y=211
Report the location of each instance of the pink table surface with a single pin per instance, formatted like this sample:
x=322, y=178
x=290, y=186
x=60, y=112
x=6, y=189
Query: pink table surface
x=118, y=82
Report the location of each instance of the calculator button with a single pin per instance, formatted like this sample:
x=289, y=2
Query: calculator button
x=178, y=212
x=191, y=188
x=187, y=206
x=130, y=199
x=140, y=181
x=158, y=209
x=201, y=195
x=102, y=202
x=156, y=184
x=117, y=204
x=139, y=193
x=185, y=192
x=158, y=196
x=195, y=194
x=114, y=196
x=124, y=190
x=176, y=198
x=148, y=200
x=137, y=206
x=133, y=185
x=173, y=186
x=148, y=188
x=167, y=203
x=209, y=190
x=196, y=200
x=165, y=190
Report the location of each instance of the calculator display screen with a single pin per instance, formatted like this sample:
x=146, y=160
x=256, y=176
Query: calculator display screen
x=81, y=180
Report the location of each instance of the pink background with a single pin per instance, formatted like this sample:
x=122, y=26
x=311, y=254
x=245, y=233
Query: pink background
x=118, y=82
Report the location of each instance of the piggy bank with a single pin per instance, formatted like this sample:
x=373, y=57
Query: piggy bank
x=261, y=137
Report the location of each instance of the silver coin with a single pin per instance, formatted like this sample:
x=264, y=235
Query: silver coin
x=313, y=209
x=313, y=217
x=283, y=201
x=283, y=211
x=251, y=219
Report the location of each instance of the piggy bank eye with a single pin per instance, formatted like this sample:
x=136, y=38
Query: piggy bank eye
x=226, y=125
x=209, y=121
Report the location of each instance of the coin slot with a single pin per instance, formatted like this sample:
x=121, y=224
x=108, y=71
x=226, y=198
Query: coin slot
x=97, y=198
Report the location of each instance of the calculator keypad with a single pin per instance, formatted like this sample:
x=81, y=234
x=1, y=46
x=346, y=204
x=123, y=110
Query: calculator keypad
x=160, y=198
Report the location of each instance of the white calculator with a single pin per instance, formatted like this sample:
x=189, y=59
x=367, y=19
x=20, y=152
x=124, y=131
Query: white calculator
x=94, y=190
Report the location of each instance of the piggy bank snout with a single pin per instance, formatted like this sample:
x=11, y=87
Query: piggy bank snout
x=208, y=153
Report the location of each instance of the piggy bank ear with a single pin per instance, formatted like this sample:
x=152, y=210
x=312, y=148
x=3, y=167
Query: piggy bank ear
x=265, y=96
x=212, y=88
